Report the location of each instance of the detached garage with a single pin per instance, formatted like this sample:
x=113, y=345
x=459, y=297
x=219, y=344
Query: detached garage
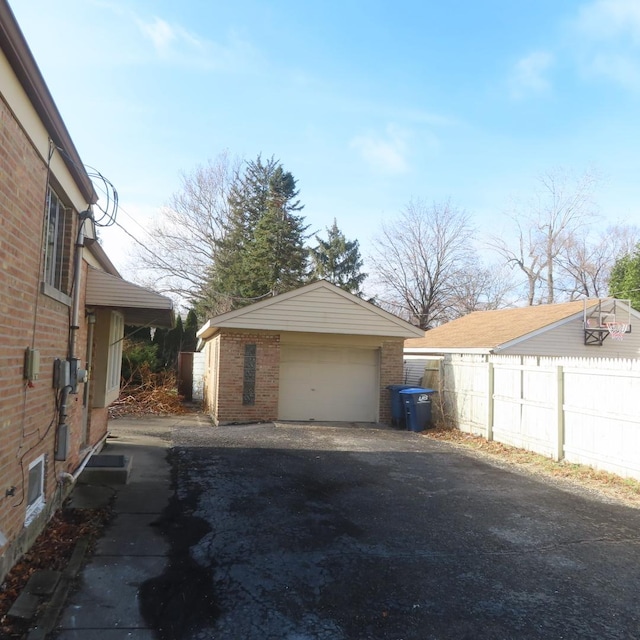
x=316, y=353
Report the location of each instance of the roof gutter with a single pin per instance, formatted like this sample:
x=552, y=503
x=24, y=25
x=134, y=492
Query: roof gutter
x=441, y=350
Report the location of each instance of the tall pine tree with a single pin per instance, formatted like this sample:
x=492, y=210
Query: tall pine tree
x=338, y=260
x=262, y=252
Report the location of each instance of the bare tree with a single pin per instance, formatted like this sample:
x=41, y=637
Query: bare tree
x=420, y=259
x=183, y=243
x=481, y=289
x=561, y=209
x=587, y=264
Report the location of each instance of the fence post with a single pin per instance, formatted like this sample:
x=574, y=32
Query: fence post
x=559, y=450
x=490, y=401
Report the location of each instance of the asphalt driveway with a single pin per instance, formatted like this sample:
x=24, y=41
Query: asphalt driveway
x=303, y=532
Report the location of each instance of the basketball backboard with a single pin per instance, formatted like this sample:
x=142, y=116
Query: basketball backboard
x=604, y=317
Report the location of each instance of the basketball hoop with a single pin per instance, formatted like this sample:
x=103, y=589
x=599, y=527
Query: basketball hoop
x=617, y=330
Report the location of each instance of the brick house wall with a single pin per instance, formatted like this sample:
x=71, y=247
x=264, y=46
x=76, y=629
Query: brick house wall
x=36, y=301
x=29, y=318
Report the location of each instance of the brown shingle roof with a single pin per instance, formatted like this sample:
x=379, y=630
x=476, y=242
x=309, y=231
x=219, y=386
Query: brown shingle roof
x=489, y=329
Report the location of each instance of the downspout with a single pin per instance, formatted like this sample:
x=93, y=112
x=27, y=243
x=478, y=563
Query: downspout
x=73, y=477
x=75, y=374
x=77, y=273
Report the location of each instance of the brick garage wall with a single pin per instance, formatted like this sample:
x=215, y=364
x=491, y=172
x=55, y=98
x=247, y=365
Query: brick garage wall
x=391, y=372
x=28, y=318
x=230, y=379
x=211, y=351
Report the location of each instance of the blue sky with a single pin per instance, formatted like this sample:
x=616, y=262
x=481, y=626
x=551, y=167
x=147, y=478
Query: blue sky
x=368, y=103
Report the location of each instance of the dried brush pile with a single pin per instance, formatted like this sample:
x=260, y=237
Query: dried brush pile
x=148, y=393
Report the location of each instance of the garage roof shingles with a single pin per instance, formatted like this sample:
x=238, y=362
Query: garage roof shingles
x=490, y=329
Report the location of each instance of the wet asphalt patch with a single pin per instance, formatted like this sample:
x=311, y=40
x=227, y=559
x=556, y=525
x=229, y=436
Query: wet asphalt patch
x=305, y=533
x=180, y=601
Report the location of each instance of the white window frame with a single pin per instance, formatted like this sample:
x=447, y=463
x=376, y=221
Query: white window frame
x=56, y=253
x=35, y=507
x=114, y=360
x=107, y=357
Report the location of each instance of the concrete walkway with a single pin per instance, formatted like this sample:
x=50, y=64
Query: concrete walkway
x=105, y=606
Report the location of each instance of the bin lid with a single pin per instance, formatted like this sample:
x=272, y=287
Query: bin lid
x=417, y=390
x=398, y=387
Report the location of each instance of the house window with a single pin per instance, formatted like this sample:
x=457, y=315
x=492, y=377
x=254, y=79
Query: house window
x=249, y=375
x=57, y=244
x=35, y=490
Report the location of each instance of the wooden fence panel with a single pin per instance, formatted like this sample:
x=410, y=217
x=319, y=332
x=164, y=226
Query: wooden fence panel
x=602, y=419
x=465, y=393
x=585, y=410
x=524, y=409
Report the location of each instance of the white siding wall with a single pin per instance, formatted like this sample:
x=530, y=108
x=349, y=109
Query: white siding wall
x=423, y=371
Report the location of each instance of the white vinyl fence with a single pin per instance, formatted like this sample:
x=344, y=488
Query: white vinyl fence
x=583, y=410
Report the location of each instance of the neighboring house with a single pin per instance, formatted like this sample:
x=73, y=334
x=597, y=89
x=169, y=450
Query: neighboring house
x=315, y=353
x=63, y=305
x=570, y=329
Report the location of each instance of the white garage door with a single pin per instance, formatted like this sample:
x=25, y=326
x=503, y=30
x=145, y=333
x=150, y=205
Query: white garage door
x=328, y=383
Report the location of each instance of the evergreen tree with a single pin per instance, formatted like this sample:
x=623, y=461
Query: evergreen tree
x=169, y=344
x=262, y=252
x=625, y=278
x=159, y=336
x=173, y=345
x=338, y=260
x=189, y=340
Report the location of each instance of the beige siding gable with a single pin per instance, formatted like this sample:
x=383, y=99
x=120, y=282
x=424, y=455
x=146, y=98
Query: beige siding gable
x=316, y=308
x=567, y=340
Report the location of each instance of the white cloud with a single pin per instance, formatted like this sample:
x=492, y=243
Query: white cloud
x=618, y=67
x=161, y=33
x=385, y=153
x=175, y=44
x=607, y=19
x=530, y=74
x=608, y=40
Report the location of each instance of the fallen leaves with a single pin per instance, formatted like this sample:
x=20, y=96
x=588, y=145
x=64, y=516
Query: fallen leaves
x=51, y=550
x=609, y=484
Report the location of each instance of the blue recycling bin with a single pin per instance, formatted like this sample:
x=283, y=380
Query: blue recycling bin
x=416, y=402
x=397, y=405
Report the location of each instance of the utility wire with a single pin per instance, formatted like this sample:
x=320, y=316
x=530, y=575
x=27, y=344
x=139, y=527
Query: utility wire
x=109, y=218
x=108, y=211
x=168, y=266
